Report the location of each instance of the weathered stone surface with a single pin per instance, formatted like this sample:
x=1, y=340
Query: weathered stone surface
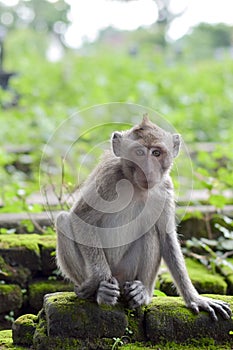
x=10, y=297
x=68, y=316
x=23, y=329
x=69, y=323
x=14, y=220
x=31, y=251
x=18, y=274
x=203, y=280
x=47, y=251
x=41, y=341
x=21, y=250
x=167, y=319
x=38, y=289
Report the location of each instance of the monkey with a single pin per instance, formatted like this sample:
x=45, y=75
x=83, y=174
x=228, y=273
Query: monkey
x=111, y=242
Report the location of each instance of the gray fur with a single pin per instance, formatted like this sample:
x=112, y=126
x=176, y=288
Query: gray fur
x=118, y=252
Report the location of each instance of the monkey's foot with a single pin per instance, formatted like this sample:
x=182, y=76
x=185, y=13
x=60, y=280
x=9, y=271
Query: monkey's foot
x=136, y=294
x=108, y=292
x=212, y=306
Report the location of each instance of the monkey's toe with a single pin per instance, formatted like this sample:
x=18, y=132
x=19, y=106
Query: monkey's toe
x=108, y=292
x=136, y=294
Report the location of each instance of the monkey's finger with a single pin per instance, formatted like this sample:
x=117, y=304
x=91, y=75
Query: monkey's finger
x=136, y=291
x=225, y=306
x=137, y=301
x=109, y=285
x=210, y=310
x=109, y=289
x=110, y=293
x=129, y=286
x=220, y=309
x=106, y=299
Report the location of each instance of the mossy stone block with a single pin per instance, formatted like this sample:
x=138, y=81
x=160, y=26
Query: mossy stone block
x=48, y=260
x=68, y=316
x=167, y=319
x=21, y=250
x=203, y=280
x=38, y=289
x=47, y=245
x=23, y=329
x=11, y=297
x=6, y=342
x=136, y=324
x=17, y=274
x=42, y=341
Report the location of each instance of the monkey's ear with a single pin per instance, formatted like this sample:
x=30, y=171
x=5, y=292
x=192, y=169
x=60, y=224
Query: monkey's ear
x=116, y=143
x=176, y=144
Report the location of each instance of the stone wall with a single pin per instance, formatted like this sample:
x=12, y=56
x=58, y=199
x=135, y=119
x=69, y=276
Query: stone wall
x=67, y=322
x=28, y=272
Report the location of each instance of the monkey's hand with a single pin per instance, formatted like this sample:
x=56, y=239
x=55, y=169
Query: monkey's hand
x=108, y=292
x=212, y=306
x=136, y=294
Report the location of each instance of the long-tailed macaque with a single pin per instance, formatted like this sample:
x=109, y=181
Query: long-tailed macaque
x=111, y=242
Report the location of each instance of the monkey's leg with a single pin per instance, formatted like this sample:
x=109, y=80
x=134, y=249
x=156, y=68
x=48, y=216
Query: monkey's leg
x=69, y=257
x=173, y=257
x=85, y=266
x=139, y=291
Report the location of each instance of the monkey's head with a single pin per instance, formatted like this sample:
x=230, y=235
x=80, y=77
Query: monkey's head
x=146, y=153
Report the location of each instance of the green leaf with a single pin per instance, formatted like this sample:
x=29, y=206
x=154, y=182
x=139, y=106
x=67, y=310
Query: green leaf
x=159, y=293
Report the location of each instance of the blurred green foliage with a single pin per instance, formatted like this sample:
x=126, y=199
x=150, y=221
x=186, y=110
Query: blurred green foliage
x=196, y=98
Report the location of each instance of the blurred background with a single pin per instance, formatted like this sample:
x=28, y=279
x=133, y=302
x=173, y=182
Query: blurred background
x=58, y=57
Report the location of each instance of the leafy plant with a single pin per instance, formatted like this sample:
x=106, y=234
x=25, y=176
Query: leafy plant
x=213, y=253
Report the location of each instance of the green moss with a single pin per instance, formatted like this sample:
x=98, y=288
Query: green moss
x=65, y=298
x=207, y=344
x=173, y=307
x=203, y=280
x=23, y=329
x=29, y=241
x=169, y=319
x=11, y=274
x=6, y=342
x=48, y=241
x=38, y=289
x=7, y=289
x=136, y=324
x=10, y=297
x=41, y=341
x=28, y=319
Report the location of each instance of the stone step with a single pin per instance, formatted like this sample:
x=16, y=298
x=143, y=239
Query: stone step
x=190, y=196
x=192, y=226
x=70, y=323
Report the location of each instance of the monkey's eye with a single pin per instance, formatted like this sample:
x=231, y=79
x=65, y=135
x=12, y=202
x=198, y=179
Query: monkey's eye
x=139, y=152
x=156, y=153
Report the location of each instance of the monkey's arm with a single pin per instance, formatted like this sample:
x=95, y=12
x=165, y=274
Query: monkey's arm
x=171, y=253
x=81, y=259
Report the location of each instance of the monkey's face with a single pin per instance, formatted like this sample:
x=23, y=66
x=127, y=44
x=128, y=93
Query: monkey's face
x=147, y=152
x=147, y=164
